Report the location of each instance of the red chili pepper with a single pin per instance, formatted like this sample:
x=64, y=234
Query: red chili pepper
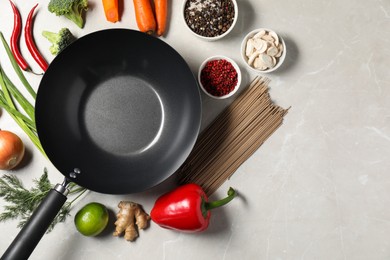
x=186, y=208
x=14, y=42
x=28, y=34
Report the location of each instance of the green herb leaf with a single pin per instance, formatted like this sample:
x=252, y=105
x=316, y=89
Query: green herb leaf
x=23, y=202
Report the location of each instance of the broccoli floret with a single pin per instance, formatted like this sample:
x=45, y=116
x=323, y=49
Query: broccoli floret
x=71, y=9
x=59, y=40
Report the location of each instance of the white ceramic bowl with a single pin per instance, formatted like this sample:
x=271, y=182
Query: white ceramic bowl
x=279, y=60
x=236, y=67
x=215, y=37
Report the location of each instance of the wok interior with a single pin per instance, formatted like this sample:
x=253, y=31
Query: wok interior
x=124, y=113
x=123, y=120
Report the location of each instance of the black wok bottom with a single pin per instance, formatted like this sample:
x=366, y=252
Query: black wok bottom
x=124, y=115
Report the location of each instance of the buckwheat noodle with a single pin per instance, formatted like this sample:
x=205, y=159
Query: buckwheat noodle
x=232, y=137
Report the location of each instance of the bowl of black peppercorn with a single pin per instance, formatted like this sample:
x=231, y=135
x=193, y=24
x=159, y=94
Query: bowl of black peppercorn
x=210, y=20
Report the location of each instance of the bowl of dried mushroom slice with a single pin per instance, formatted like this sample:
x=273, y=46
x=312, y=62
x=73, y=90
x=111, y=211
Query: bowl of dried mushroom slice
x=263, y=50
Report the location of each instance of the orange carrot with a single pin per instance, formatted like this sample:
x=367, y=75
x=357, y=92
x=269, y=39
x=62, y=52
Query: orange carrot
x=161, y=8
x=144, y=16
x=111, y=10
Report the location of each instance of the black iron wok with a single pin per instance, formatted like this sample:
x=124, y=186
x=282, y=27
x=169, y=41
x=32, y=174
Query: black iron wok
x=117, y=112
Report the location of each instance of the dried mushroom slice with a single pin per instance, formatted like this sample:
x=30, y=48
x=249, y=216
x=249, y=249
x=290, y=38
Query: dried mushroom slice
x=274, y=61
x=249, y=47
x=273, y=50
x=281, y=49
x=258, y=43
x=253, y=57
x=260, y=34
x=266, y=60
x=263, y=47
x=275, y=36
x=268, y=38
x=257, y=64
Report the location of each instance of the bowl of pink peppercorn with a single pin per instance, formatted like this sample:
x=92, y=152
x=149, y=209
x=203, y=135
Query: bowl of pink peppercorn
x=219, y=77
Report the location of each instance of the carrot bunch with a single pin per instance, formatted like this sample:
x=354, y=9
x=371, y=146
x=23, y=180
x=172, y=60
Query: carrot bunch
x=150, y=22
x=150, y=19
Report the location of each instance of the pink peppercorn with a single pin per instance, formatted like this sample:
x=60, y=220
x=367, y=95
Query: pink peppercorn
x=219, y=77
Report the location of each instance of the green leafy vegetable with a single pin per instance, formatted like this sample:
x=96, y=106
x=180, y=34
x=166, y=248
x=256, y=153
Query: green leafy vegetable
x=23, y=202
x=71, y=9
x=60, y=40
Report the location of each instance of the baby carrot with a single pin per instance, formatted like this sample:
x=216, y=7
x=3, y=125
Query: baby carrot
x=144, y=16
x=161, y=8
x=111, y=10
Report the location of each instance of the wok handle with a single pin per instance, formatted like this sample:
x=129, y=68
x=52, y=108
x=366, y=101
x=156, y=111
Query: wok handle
x=32, y=232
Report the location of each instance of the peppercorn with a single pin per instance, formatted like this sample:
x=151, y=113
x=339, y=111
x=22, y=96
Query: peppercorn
x=219, y=77
x=209, y=18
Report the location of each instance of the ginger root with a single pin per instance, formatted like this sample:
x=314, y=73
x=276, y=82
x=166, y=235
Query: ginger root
x=130, y=218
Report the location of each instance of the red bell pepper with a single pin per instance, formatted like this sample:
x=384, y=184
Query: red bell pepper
x=186, y=208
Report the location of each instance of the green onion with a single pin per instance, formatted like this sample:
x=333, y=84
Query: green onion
x=9, y=94
x=25, y=104
x=6, y=94
x=27, y=121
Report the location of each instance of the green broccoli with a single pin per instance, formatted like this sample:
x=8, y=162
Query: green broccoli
x=59, y=40
x=71, y=9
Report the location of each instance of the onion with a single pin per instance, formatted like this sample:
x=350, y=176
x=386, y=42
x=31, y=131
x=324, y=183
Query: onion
x=11, y=150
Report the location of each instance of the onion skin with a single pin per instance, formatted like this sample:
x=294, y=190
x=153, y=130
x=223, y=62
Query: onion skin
x=11, y=150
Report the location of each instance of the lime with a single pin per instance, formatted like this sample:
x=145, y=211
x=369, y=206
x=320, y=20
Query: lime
x=91, y=219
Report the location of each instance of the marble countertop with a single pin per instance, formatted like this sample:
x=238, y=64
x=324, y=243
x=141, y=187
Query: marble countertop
x=317, y=189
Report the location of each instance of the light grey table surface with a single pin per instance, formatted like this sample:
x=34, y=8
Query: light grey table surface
x=319, y=188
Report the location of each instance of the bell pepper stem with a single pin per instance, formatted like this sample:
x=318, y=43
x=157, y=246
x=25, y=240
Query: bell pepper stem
x=215, y=204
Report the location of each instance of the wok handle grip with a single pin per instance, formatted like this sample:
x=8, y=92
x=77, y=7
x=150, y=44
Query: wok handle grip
x=32, y=232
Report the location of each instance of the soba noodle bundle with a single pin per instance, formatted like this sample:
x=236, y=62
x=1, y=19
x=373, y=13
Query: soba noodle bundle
x=232, y=137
